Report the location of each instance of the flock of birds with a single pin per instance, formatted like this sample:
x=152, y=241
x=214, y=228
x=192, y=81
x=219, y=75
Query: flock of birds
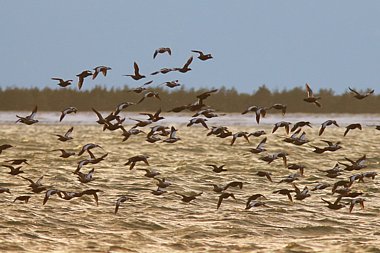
x=159, y=133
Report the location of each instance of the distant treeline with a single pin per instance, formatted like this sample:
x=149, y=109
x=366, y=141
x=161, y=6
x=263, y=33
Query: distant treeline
x=225, y=100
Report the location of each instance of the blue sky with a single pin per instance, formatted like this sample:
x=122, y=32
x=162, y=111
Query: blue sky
x=283, y=44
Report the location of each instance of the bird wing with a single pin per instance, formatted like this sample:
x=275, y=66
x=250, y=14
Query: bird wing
x=136, y=67
x=96, y=72
x=33, y=113
x=187, y=64
x=274, y=128
x=309, y=90
x=67, y=134
x=262, y=143
x=96, y=198
x=204, y=124
x=337, y=200
x=155, y=54
x=80, y=82
x=219, y=201
x=322, y=129
x=354, y=91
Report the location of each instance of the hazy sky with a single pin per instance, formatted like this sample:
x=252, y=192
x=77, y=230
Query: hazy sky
x=278, y=43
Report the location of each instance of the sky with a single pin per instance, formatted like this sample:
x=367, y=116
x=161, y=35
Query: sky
x=282, y=44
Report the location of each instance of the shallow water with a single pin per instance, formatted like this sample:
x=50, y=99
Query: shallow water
x=164, y=223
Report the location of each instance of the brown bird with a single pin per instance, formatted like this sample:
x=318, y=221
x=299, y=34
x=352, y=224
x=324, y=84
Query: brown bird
x=257, y=133
x=361, y=96
x=321, y=186
x=202, y=56
x=284, y=124
x=62, y=83
x=233, y=184
x=99, y=69
x=85, y=178
x=260, y=148
x=300, y=124
x=206, y=94
x=137, y=75
x=28, y=120
x=87, y=148
x=172, y=137
x=149, y=95
x=300, y=195
x=154, y=117
x=134, y=159
x=335, y=205
x=163, y=183
x=120, y=200
x=265, y=174
x=224, y=195
x=14, y=170
x=50, y=193
x=2, y=190
x=64, y=153
x=279, y=107
x=356, y=201
x=251, y=202
x=239, y=134
x=325, y=124
x=162, y=50
x=37, y=186
x=310, y=96
x=92, y=192
x=68, y=110
x=82, y=76
x=17, y=161
x=162, y=71
x=185, y=67
x=285, y=192
x=67, y=136
x=171, y=84
x=198, y=121
x=351, y=127
x=189, y=198
x=130, y=132
x=4, y=147
x=216, y=168
x=22, y=198
x=299, y=167
x=150, y=173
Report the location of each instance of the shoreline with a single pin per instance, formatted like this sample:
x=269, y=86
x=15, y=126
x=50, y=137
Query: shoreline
x=229, y=119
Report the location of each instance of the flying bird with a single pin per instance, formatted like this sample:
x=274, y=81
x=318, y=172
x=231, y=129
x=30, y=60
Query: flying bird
x=361, y=96
x=82, y=76
x=162, y=50
x=120, y=200
x=310, y=96
x=62, y=83
x=67, y=136
x=185, y=67
x=68, y=110
x=102, y=69
x=136, y=76
x=4, y=147
x=202, y=56
x=325, y=124
x=28, y=120
x=352, y=127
